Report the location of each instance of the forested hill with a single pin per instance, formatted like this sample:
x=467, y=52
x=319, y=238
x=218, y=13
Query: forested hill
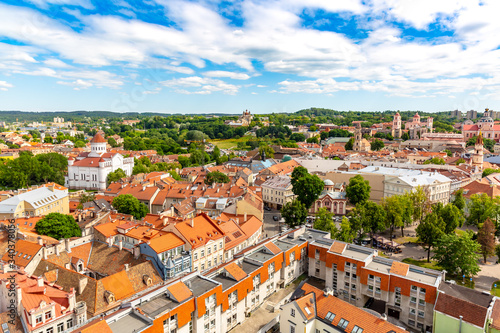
x=75, y=116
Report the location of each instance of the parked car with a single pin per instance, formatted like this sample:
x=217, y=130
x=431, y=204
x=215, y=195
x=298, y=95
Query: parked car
x=267, y=208
x=276, y=218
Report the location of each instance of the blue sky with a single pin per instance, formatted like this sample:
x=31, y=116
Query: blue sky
x=263, y=55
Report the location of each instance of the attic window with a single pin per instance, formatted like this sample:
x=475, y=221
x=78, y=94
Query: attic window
x=306, y=309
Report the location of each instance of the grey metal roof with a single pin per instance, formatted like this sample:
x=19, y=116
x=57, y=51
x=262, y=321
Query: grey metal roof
x=37, y=198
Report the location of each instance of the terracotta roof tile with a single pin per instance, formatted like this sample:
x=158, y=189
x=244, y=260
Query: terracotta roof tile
x=97, y=326
x=455, y=307
x=24, y=252
x=203, y=230
x=495, y=315
x=399, y=268
x=307, y=306
x=273, y=248
x=235, y=271
x=180, y=292
x=338, y=247
x=165, y=242
x=98, y=139
x=118, y=284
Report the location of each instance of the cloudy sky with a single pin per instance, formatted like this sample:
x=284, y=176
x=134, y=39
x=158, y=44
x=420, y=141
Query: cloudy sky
x=262, y=55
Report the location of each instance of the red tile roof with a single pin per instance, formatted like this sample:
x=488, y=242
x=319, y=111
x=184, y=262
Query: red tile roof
x=166, y=242
x=235, y=271
x=180, y=291
x=399, y=268
x=456, y=307
x=98, y=139
x=24, y=253
x=204, y=230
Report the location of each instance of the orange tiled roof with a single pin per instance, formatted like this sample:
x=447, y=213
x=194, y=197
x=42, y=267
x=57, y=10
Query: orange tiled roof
x=204, y=230
x=235, y=271
x=180, y=291
x=24, y=252
x=338, y=247
x=399, y=268
x=98, y=139
x=119, y=284
x=98, y=326
x=273, y=248
x=165, y=242
x=307, y=306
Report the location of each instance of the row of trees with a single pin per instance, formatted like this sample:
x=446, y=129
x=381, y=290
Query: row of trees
x=27, y=169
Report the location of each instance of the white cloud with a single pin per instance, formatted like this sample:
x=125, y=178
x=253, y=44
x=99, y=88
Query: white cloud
x=231, y=75
x=200, y=85
x=77, y=84
x=5, y=85
x=81, y=3
x=53, y=62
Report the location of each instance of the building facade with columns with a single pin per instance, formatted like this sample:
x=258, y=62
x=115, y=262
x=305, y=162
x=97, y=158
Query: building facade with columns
x=90, y=169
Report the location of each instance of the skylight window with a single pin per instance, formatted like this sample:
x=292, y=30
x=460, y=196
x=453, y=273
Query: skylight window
x=306, y=309
x=330, y=316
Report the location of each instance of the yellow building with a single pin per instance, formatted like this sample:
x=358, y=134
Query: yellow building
x=37, y=202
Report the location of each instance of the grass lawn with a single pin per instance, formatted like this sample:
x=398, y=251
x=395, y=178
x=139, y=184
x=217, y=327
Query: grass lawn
x=229, y=143
x=423, y=263
x=402, y=240
x=495, y=291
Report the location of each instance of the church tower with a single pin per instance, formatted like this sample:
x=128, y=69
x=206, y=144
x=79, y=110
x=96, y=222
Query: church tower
x=396, y=126
x=97, y=146
x=477, y=157
x=358, y=138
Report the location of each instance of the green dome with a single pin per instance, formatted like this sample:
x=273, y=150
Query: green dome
x=286, y=158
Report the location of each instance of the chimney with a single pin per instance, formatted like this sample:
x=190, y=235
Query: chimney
x=40, y=241
x=82, y=283
x=192, y=223
x=67, y=244
x=126, y=267
x=245, y=217
x=57, y=249
x=238, y=221
x=44, y=250
x=120, y=245
x=39, y=281
x=137, y=252
x=110, y=241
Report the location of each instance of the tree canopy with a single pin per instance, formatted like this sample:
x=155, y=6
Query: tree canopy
x=305, y=186
x=486, y=239
x=216, y=177
x=294, y=213
x=358, y=190
x=458, y=255
x=116, y=175
x=128, y=204
x=58, y=226
x=429, y=231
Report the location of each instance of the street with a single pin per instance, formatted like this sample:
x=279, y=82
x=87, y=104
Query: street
x=271, y=227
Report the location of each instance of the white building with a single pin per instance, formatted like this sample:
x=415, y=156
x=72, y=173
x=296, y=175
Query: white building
x=277, y=191
x=90, y=169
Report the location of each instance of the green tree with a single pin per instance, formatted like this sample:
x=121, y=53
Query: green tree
x=79, y=144
x=216, y=177
x=488, y=172
x=358, y=190
x=294, y=213
x=87, y=197
x=371, y=216
x=345, y=233
x=429, y=231
x=197, y=157
x=184, y=161
x=452, y=217
x=305, y=186
x=393, y=213
x=459, y=200
x=324, y=220
x=313, y=139
x=405, y=136
x=377, y=144
x=407, y=216
x=266, y=150
x=216, y=155
x=112, y=142
x=421, y=203
x=448, y=152
x=458, y=255
x=349, y=144
x=435, y=160
x=481, y=207
x=48, y=139
x=459, y=161
x=486, y=238
x=117, y=175
x=299, y=137
x=58, y=226
x=128, y=204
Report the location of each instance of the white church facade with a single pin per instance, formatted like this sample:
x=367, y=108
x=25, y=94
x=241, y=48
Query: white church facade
x=90, y=170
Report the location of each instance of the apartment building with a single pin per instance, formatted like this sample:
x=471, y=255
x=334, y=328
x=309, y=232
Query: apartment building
x=37, y=202
x=218, y=299
x=41, y=306
x=359, y=276
x=203, y=238
x=277, y=191
x=311, y=311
